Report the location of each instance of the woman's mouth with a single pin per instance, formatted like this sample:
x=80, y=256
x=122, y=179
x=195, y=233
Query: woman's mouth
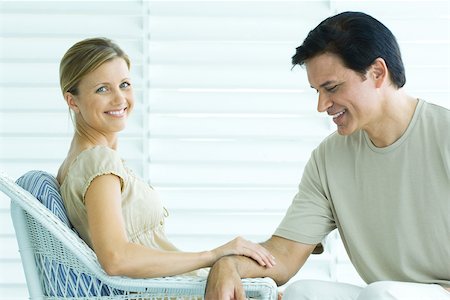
x=117, y=113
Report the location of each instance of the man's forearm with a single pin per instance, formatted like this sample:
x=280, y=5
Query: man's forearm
x=289, y=257
x=224, y=280
x=248, y=268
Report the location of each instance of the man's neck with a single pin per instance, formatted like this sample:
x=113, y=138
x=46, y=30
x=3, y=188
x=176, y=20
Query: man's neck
x=394, y=120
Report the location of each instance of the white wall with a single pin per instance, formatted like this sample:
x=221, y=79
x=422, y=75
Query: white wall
x=222, y=128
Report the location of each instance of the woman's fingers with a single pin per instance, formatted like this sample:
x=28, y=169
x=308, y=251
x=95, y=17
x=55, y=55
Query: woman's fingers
x=256, y=252
x=240, y=246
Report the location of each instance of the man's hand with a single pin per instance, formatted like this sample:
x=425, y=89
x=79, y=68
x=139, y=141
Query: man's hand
x=224, y=282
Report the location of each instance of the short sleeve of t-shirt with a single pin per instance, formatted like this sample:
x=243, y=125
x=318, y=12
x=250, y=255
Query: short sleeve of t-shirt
x=92, y=163
x=88, y=165
x=309, y=218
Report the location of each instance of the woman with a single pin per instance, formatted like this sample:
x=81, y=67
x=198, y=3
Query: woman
x=118, y=215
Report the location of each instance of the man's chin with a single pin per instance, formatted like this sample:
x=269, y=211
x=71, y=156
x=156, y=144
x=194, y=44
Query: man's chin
x=344, y=131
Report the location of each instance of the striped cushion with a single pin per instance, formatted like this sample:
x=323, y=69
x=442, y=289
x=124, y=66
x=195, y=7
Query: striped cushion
x=60, y=280
x=45, y=188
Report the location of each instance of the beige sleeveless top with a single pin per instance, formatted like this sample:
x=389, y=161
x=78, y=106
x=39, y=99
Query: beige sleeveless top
x=142, y=209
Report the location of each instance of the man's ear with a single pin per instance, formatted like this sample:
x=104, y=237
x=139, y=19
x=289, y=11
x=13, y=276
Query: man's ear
x=379, y=72
x=70, y=99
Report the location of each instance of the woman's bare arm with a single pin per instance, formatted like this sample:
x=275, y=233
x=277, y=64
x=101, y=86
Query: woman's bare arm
x=119, y=256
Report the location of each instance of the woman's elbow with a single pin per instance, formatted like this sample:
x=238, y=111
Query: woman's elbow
x=113, y=264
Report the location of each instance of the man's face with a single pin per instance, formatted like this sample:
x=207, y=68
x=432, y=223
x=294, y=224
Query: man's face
x=347, y=96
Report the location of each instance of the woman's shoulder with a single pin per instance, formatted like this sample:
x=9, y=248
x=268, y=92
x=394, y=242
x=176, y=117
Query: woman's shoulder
x=95, y=161
x=96, y=153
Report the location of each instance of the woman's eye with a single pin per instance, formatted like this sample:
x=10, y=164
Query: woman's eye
x=124, y=85
x=102, y=89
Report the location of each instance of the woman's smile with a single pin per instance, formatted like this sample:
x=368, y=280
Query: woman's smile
x=120, y=113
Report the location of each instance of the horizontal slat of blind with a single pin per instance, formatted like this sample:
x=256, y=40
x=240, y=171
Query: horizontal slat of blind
x=398, y=9
x=14, y=291
x=233, y=150
x=11, y=274
x=68, y=25
x=187, y=222
x=84, y=9
x=233, y=101
x=229, y=28
x=241, y=9
x=6, y=226
x=9, y=249
x=226, y=199
x=226, y=174
x=229, y=126
x=48, y=49
x=4, y=202
x=226, y=76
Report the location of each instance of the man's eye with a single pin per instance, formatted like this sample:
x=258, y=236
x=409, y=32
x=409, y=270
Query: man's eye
x=332, y=88
x=101, y=89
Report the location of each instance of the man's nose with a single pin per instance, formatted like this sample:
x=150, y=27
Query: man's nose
x=324, y=102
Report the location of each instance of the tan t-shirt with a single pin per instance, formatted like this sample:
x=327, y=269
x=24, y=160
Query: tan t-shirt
x=391, y=205
x=142, y=209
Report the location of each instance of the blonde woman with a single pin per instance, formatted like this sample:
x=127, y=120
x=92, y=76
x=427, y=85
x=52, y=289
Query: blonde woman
x=117, y=214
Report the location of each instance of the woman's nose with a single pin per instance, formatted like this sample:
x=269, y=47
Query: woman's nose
x=119, y=96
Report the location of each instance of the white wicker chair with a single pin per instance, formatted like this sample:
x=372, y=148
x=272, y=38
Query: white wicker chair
x=59, y=265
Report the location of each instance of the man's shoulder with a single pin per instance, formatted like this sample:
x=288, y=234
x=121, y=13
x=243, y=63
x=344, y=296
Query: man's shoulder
x=436, y=112
x=435, y=121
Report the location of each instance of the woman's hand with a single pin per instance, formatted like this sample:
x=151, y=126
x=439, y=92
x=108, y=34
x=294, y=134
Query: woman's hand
x=240, y=246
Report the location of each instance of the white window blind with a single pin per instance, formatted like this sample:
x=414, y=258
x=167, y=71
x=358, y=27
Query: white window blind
x=222, y=128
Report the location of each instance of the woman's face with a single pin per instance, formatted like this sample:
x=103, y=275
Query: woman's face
x=105, y=98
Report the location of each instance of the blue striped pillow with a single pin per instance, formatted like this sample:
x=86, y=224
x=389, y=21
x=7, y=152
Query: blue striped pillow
x=45, y=188
x=69, y=282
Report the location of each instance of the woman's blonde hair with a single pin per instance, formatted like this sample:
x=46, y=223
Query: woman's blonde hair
x=83, y=58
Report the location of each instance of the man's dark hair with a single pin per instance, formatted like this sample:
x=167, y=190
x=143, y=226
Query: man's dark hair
x=358, y=39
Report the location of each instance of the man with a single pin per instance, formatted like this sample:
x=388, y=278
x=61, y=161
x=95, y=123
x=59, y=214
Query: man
x=383, y=179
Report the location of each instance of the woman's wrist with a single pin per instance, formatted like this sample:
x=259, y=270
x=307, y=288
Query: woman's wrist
x=210, y=257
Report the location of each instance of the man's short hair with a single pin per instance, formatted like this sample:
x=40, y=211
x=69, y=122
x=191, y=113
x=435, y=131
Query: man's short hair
x=358, y=39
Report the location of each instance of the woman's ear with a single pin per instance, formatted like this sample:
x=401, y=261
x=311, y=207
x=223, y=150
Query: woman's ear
x=70, y=99
x=379, y=72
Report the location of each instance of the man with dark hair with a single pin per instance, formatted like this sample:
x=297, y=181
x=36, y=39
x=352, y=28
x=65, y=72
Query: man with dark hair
x=383, y=179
